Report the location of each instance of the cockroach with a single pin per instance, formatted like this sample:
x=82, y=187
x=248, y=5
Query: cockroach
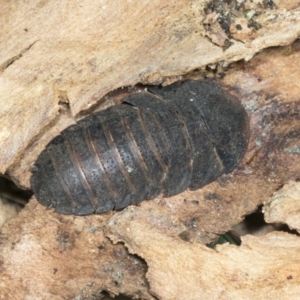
x=161, y=141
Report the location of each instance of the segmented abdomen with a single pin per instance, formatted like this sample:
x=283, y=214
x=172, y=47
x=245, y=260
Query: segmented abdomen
x=163, y=141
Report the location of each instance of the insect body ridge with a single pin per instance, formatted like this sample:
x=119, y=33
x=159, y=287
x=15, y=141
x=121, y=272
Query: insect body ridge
x=158, y=142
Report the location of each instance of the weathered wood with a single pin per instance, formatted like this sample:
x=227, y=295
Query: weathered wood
x=284, y=206
x=60, y=54
x=261, y=268
x=52, y=256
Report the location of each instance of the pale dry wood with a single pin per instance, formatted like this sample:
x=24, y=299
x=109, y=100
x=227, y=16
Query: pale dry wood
x=262, y=268
x=82, y=50
x=47, y=256
x=8, y=210
x=284, y=206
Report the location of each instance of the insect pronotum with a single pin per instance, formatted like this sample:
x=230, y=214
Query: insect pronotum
x=158, y=142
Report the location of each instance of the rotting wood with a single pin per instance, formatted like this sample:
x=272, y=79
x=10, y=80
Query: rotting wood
x=60, y=66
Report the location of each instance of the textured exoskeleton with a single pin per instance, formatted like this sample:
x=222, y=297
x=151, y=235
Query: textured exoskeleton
x=158, y=142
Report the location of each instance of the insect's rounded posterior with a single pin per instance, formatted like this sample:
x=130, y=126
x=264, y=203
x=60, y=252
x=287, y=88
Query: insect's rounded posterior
x=158, y=142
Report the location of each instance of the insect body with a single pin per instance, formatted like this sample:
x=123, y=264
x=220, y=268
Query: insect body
x=158, y=142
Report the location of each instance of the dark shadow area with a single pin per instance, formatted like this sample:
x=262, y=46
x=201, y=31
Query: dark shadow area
x=10, y=192
x=12, y=199
x=253, y=224
x=120, y=297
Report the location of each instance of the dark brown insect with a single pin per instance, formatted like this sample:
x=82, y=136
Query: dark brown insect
x=158, y=142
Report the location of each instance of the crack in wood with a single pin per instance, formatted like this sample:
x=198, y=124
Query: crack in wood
x=11, y=60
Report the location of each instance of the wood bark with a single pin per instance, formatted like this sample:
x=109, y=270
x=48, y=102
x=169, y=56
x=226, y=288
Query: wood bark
x=62, y=60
